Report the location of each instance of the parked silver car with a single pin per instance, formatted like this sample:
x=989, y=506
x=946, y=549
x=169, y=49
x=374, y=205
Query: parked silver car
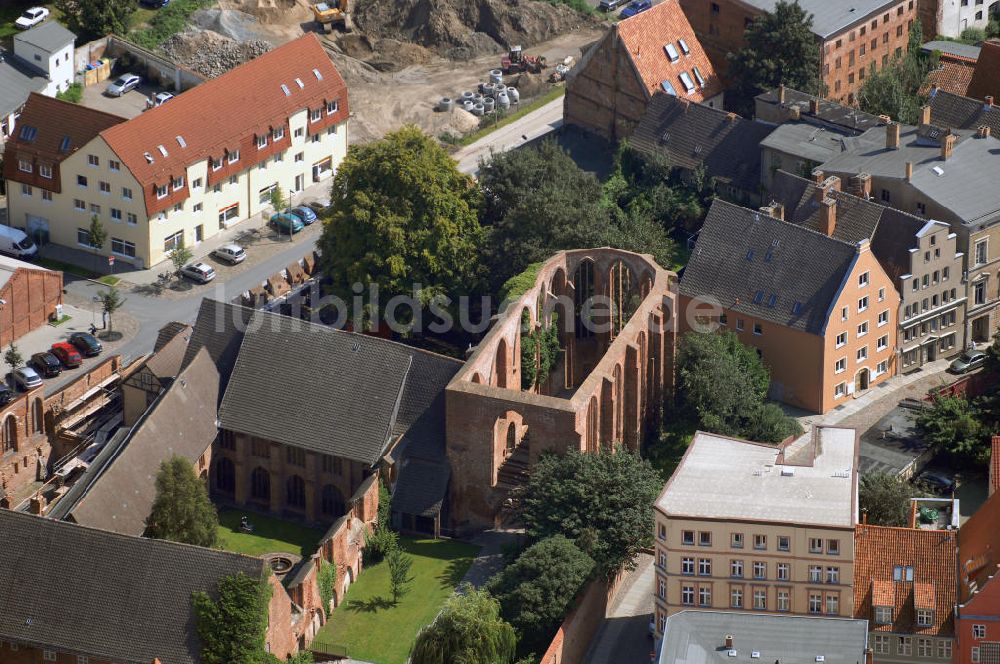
x=199, y=272
x=230, y=253
x=27, y=378
x=967, y=361
x=123, y=84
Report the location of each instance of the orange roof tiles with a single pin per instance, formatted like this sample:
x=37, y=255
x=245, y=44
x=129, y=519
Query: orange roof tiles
x=224, y=113
x=879, y=550
x=646, y=36
x=953, y=75
x=979, y=545
x=986, y=79
x=994, y=464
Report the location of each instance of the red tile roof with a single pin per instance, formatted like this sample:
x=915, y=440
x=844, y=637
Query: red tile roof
x=994, y=464
x=226, y=113
x=645, y=37
x=49, y=131
x=953, y=75
x=986, y=79
x=979, y=546
x=878, y=550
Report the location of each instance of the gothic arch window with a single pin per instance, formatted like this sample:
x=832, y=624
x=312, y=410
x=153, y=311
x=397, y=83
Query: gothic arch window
x=260, y=485
x=296, y=492
x=332, y=501
x=8, y=435
x=225, y=475
x=583, y=281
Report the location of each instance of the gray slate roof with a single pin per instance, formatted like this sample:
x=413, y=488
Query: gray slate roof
x=698, y=637
x=956, y=112
x=219, y=329
x=806, y=141
x=830, y=112
x=952, y=48
x=17, y=81
x=691, y=135
x=105, y=595
x=831, y=16
x=180, y=422
x=50, y=36
x=421, y=487
x=741, y=253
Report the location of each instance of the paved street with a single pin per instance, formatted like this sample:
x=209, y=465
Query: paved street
x=624, y=636
x=532, y=126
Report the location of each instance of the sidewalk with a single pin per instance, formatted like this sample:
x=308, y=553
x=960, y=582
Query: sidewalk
x=150, y=275
x=623, y=637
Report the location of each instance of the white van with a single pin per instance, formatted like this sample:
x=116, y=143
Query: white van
x=16, y=243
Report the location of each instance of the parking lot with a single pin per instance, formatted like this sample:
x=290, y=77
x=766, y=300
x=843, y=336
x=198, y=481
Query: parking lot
x=129, y=105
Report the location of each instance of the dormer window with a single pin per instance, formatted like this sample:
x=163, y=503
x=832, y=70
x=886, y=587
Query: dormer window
x=177, y=183
x=261, y=142
x=216, y=164
x=278, y=134
x=234, y=156
x=925, y=617
x=332, y=107
x=883, y=615
x=315, y=115
x=161, y=191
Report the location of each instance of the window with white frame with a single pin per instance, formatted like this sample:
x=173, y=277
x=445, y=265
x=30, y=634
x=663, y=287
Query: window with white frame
x=116, y=215
x=862, y=304
x=177, y=183
x=881, y=294
x=883, y=343
x=982, y=254
x=83, y=238
x=261, y=142
x=25, y=166
x=883, y=615
x=316, y=138
x=862, y=353
x=815, y=603
x=815, y=545
x=736, y=598
x=95, y=208
x=81, y=181
x=26, y=190
x=332, y=107
x=161, y=191
x=784, y=600
x=863, y=329
x=862, y=280
x=833, y=575
x=661, y=588
x=122, y=247
x=815, y=574
x=883, y=318
x=760, y=599
x=832, y=604
x=944, y=649
x=315, y=114
x=126, y=193
x=114, y=165
x=92, y=160
x=662, y=561
x=300, y=132
x=843, y=313
x=198, y=207
x=79, y=205
x=925, y=617
x=331, y=131
x=173, y=241
x=230, y=213
x=46, y=195
x=841, y=339
x=45, y=171
x=736, y=540
x=839, y=390
x=979, y=631
x=736, y=569
x=759, y=569
x=687, y=595
x=278, y=134
x=880, y=644
x=234, y=156
x=704, y=596
x=840, y=366
x=105, y=187
x=881, y=367
x=131, y=219
x=760, y=542
x=904, y=645
x=974, y=652
x=233, y=179
x=704, y=567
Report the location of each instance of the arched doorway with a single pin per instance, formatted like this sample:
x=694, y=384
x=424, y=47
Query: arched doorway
x=260, y=485
x=583, y=283
x=861, y=381
x=501, y=366
x=332, y=502
x=225, y=475
x=296, y=492
x=348, y=580
x=8, y=435
x=511, y=437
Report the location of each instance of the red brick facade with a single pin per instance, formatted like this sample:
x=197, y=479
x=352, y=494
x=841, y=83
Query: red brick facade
x=29, y=300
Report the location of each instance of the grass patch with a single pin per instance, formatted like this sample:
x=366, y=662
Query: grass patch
x=141, y=18
x=269, y=535
x=367, y=624
x=665, y=454
x=166, y=22
x=524, y=109
x=109, y=280
x=681, y=257
x=60, y=321
x=521, y=283
x=73, y=94
x=11, y=9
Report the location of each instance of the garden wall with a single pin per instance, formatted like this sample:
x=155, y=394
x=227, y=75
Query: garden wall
x=147, y=64
x=967, y=386
x=582, y=623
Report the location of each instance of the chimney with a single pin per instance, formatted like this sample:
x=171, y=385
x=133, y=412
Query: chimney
x=994, y=464
x=814, y=106
x=825, y=186
x=775, y=210
x=828, y=216
x=864, y=522
x=731, y=117
x=860, y=185
x=781, y=93
x=909, y=171
x=729, y=641
x=984, y=132
x=925, y=115
x=989, y=101
x=892, y=136
x=947, y=146
x=794, y=113
x=818, y=176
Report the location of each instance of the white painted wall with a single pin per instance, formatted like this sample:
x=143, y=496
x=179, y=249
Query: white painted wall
x=957, y=15
x=58, y=66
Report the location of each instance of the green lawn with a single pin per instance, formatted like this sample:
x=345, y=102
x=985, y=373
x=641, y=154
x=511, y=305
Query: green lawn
x=370, y=628
x=269, y=535
x=11, y=9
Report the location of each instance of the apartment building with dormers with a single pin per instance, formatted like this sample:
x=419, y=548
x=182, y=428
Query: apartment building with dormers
x=775, y=534
x=182, y=172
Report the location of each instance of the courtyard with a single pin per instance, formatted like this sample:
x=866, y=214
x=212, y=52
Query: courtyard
x=368, y=627
x=269, y=535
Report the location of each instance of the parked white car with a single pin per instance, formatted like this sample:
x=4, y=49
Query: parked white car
x=26, y=379
x=199, y=272
x=31, y=17
x=231, y=253
x=161, y=98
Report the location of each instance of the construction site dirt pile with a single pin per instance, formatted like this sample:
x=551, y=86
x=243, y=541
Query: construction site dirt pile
x=464, y=29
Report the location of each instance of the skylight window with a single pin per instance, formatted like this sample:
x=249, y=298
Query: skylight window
x=758, y=297
x=671, y=52
x=750, y=254
x=299, y=82
x=796, y=308
x=181, y=142
x=149, y=157
x=284, y=88
x=668, y=88
x=773, y=300
x=684, y=47
x=686, y=80
x=698, y=77
x=64, y=144
x=162, y=150
x=319, y=76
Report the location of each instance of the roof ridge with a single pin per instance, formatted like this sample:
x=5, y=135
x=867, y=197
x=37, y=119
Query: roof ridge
x=781, y=224
x=79, y=107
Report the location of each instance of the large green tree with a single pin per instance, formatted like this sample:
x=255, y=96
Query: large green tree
x=780, y=48
x=952, y=427
x=468, y=630
x=538, y=589
x=885, y=499
x=232, y=622
x=723, y=385
x=895, y=90
x=182, y=510
x=96, y=18
x=537, y=201
x=402, y=214
x=602, y=501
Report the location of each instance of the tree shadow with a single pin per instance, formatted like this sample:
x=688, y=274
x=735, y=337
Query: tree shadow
x=369, y=606
x=150, y=290
x=452, y=574
x=110, y=335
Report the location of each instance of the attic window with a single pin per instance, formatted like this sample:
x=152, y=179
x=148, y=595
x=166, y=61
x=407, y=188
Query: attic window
x=284, y=88
x=684, y=47
x=319, y=76
x=671, y=52
x=668, y=88
x=686, y=80
x=64, y=144
x=758, y=297
x=299, y=82
x=162, y=150
x=181, y=142
x=28, y=133
x=773, y=300
x=149, y=157
x=698, y=77
x=899, y=572
x=796, y=308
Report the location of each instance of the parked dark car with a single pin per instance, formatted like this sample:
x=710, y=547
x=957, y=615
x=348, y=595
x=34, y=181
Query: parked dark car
x=87, y=344
x=937, y=481
x=46, y=364
x=155, y=4
x=67, y=354
x=635, y=7
x=305, y=213
x=6, y=394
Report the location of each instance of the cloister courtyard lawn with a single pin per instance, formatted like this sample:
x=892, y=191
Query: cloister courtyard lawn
x=269, y=535
x=368, y=627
